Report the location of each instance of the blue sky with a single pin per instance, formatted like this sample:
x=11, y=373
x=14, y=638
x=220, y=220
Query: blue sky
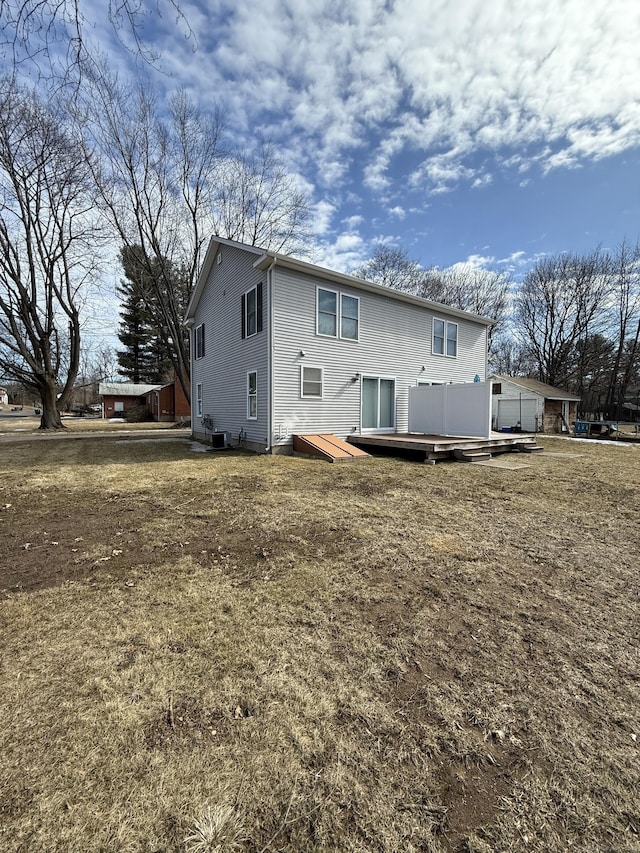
x=465, y=131
x=484, y=132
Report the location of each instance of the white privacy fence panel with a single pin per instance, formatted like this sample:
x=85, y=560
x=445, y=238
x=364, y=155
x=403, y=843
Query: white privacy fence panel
x=461, y=410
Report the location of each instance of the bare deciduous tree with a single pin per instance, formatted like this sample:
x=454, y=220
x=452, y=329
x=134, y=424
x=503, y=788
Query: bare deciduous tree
x=560, y=303
x=625, y=327
x=168, y=185
x=50, y=35
x=392, y=267
x=156, y=177
x=508, y=356
x=47, y=243
x=469, y=288
x=258, y=202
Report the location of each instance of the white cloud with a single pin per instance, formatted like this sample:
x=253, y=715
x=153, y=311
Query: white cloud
x=415, y=91
x=482, y=181
x=345, y=254
x=323, y=213
x=398, y=212
x=352, y=223
x=476, y=262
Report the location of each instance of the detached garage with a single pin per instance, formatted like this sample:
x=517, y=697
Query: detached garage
x=531, y=406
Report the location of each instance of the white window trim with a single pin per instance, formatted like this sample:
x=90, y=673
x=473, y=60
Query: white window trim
x=380, y=430
x=254, y=290
x=198, y=399
x=304, y=396
x=447, y=323
x=251, y=417
x=200, y=354
x=337, y=296
x=357, y=298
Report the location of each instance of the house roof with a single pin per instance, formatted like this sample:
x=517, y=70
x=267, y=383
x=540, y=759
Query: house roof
x=549, y=392
x=265, y=259
x=124, y=389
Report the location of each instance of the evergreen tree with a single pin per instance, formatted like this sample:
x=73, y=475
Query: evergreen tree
x=146, y=354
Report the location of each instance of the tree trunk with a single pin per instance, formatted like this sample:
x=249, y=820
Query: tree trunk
x=50, y=414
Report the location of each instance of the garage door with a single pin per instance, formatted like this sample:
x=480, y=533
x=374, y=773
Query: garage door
x=511, y=412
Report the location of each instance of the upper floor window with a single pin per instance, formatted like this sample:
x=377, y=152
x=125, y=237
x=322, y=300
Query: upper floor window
x=349, y=317
x=252, y=311
x=337, y=315
x=496, y=388
x=199, y=340
x=445, y=338
x=327, y=322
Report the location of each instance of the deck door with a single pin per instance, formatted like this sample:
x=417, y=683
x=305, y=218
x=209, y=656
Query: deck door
x=378, y=405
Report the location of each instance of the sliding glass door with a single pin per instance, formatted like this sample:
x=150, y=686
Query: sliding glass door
x=378, y=403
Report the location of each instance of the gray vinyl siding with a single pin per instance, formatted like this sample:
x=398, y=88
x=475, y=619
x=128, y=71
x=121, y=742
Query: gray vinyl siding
x=394, y=342
x=228, y=357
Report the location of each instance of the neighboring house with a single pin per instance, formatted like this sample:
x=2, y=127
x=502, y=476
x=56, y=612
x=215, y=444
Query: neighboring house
x=168, y=403
x=4, y=397
x=531, y=406
x=119, y=397
x=163, y=402
x=282, y=347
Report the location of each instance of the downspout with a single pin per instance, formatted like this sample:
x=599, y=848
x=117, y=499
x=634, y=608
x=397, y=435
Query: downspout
x=192, y=399
x=270, y=358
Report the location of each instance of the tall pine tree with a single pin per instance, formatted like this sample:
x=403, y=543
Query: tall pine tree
x=145, y=357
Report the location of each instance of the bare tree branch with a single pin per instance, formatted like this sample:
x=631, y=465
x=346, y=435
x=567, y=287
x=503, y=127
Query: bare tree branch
x=48, y=238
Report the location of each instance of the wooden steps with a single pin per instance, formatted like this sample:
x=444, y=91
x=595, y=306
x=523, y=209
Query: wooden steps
x=471, y=455
x=529, y=448
x=328, y=447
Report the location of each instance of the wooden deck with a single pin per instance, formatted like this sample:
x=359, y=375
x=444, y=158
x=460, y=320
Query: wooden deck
x=432, y=448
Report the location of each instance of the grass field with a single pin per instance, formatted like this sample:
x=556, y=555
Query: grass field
x=223, y=652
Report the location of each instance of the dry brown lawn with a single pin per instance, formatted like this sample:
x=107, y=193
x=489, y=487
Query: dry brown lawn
x=9, y=426
x=223, y=652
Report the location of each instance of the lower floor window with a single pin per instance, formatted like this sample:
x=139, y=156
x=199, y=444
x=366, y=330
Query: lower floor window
x=199, y=400
x=310, y=381
x=252, y=395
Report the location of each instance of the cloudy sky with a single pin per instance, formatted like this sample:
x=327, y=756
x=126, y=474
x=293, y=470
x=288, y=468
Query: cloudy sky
x=492, y=130
x=481, y=130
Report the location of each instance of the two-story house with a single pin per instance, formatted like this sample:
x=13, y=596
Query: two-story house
x=280, y=347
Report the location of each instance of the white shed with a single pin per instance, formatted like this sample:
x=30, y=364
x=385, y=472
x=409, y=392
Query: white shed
x=531, y=406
